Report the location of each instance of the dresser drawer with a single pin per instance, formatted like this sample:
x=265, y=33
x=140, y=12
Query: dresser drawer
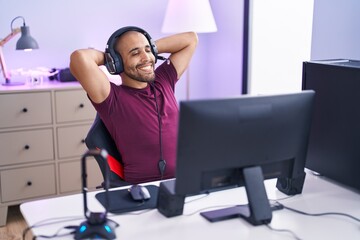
x=71, y=140
x=30, y=182
x=26, y=146
x=70, y=175
x=25, y=109
x=73, y=105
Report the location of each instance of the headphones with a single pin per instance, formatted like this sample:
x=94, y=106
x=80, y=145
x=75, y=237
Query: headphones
x=113, y=60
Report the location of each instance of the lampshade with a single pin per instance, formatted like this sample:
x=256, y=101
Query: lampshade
x=189, y=15
x=26, y=42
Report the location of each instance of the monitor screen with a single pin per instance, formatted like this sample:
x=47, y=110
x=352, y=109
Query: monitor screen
x=219, y=140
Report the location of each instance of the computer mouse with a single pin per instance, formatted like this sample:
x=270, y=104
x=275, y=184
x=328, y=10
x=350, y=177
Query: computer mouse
x=139, y=193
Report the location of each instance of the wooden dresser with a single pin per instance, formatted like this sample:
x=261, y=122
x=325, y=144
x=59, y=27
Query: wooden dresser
x=42, y=131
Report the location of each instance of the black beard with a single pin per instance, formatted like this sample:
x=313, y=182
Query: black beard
x=138, y=78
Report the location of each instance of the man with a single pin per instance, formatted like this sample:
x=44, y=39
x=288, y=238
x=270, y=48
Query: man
x=142, y=113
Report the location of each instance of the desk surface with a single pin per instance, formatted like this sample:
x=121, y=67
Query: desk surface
x=319, y=195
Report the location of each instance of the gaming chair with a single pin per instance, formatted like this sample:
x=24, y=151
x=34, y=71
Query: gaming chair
x=98, y=137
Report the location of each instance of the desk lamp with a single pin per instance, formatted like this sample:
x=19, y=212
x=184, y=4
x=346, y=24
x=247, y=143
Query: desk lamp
x=188, y=15
x=25, y=42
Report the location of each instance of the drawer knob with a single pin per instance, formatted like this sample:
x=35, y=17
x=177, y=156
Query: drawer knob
x=24, y=110
x=81, y=105
x=27, y=147
x=29, y=183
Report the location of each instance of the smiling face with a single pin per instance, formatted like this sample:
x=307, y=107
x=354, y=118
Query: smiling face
x=137, y=58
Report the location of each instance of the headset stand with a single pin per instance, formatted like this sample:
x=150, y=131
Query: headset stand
x=87, y=230
x=96, y=225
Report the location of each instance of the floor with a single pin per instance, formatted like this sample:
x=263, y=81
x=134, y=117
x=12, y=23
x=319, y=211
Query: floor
x=15, y=226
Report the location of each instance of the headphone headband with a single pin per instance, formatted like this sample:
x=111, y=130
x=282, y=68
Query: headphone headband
x=113, y=60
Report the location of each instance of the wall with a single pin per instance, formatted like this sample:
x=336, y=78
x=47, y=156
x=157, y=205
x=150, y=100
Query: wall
x=286, y=33
x=282, y=38
x=221, y=59
x=336, y=30
x=280, y=42
x=63, y=26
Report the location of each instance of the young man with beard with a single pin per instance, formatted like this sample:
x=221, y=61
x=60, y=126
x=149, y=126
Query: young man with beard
x=141, y=114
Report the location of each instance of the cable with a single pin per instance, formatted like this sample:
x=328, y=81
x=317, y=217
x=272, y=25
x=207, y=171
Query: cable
x=322, y=214
x=283, y=230
x=11, y=24
x=162, y=162
x=281, y=206
x=278, y=205
x=56, y=234
x=196, y=199
x=45, y=223
x=281, y=199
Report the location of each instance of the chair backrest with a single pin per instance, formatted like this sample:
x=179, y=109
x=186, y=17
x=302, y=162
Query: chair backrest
x=99, y=137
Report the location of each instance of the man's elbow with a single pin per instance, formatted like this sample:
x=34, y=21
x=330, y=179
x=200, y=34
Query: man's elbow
x=75, y=57
x=194, y=38
x=75, y=62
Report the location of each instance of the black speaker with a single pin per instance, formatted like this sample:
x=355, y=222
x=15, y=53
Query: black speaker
x=113, y=60
x=291, y=186
x=169, y=203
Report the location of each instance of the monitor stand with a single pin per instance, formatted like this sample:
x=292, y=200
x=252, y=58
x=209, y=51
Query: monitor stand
x=257, y=212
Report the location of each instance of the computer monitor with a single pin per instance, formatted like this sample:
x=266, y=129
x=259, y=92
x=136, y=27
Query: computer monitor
x=240, y=142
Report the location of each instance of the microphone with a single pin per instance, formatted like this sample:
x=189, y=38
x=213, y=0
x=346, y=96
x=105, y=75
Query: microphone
x=161, y=58
x=164, y=59
x=162, y=166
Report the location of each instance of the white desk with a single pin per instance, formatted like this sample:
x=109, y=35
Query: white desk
x=319, y=195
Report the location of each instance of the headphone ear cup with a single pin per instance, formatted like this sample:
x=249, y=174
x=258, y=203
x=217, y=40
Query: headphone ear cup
x=113, y=62
x=118, y=63
x=109, y=63
x=153, y=47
